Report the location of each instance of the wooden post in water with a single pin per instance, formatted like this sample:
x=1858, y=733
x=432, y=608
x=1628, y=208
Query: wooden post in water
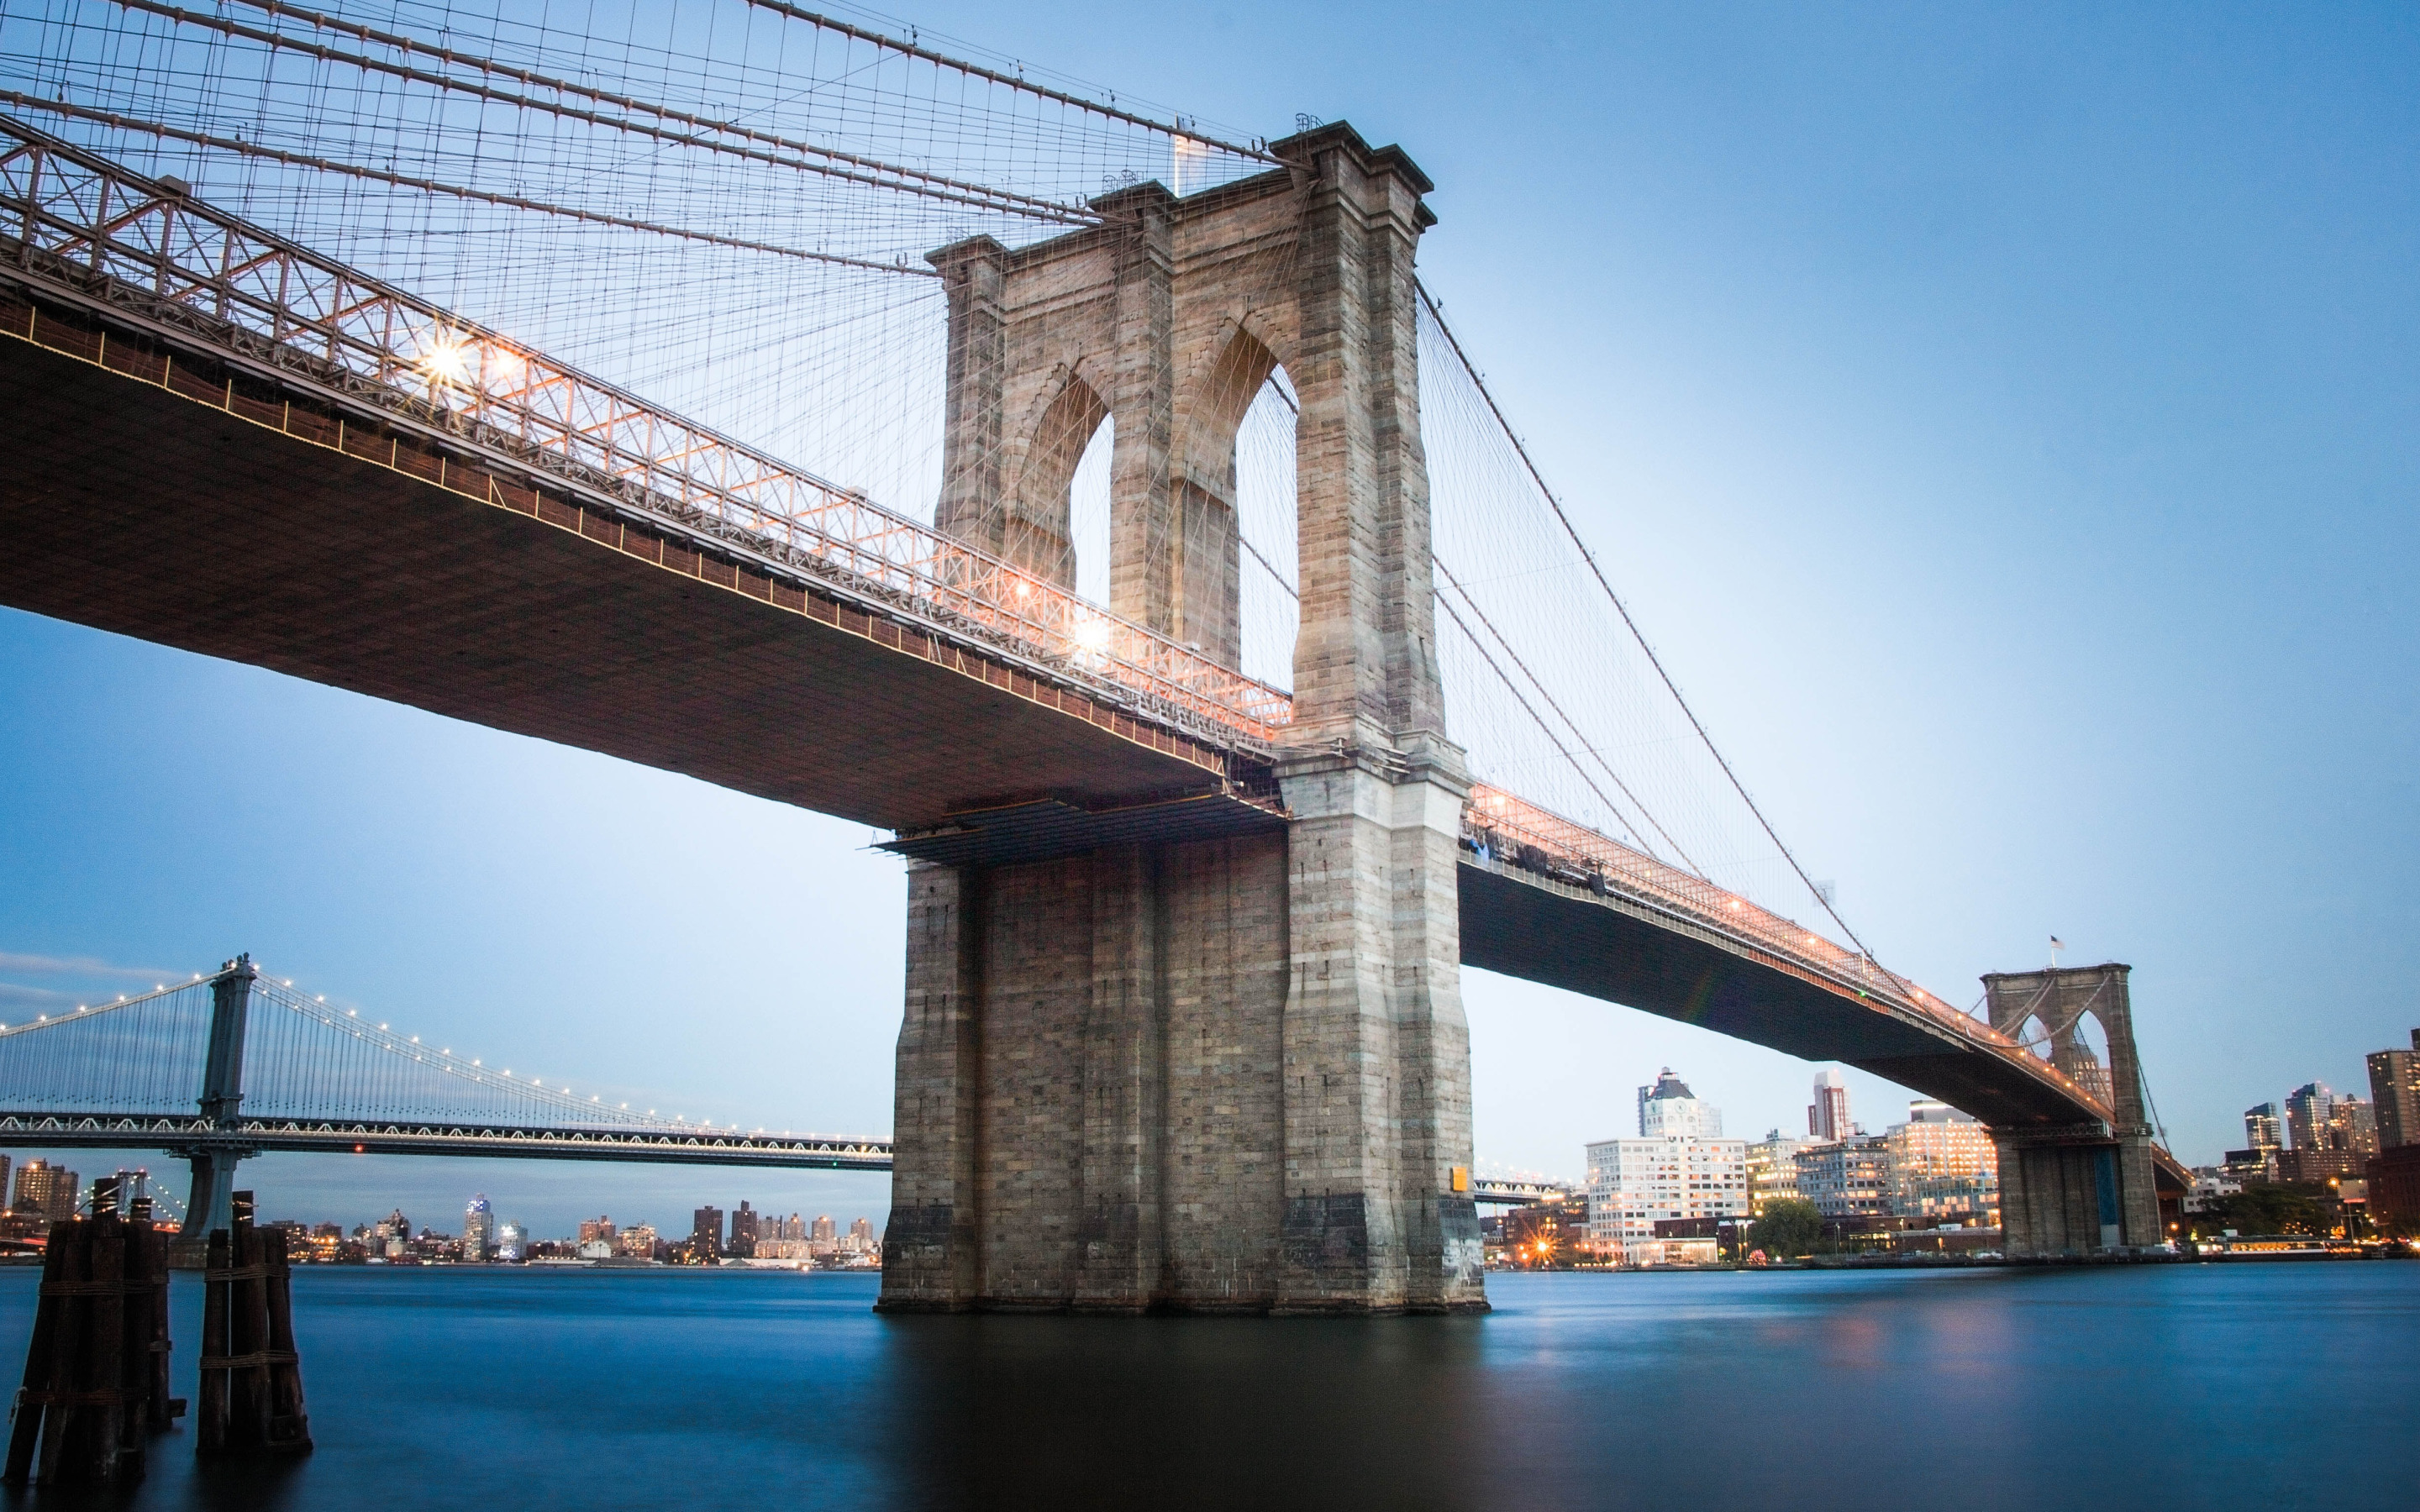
x=252, y=1379
x=97, y=1372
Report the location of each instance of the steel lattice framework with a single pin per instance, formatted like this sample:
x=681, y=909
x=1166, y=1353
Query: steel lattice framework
x=146, y=248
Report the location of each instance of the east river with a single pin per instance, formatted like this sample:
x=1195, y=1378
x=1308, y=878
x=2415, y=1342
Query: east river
x=2236, y=1385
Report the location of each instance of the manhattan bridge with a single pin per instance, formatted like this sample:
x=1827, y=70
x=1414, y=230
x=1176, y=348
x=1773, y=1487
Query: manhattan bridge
x=1095, y=499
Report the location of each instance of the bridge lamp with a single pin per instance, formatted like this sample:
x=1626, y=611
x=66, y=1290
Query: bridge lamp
x=1092, y=636
x=447, y=358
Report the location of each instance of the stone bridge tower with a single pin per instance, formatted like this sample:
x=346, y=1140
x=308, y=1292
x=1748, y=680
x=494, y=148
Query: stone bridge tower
x=2090, y=1187
x=1221, y=1074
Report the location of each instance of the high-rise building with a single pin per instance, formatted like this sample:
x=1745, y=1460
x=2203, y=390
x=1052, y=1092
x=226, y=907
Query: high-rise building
x=823, y=1235
x=861, y=1230
x=1827, y=1116
x=636, y=1240
x=1771, y=1170
x=595, y=1230
x=512, y=1241
x=743, y=1232
x=2393, y=1092
x=705, y=1227
x=4, y=1174
x=1846, y=1178
x=1944, y=1167
x=46, y=1191
x=2262, y=1129
x=2307, y=1108
x=478, y=1230
x=1666, y=1106
x=2353, y=1128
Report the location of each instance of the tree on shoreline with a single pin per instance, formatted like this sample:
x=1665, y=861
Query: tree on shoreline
x=1788, y=1228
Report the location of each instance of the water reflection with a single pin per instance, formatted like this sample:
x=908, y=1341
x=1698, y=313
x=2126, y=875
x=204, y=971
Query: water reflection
x=1987, y=1388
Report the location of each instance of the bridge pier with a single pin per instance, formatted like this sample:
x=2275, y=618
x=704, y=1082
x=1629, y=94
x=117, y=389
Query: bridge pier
x=1223, y=1074
x=2085, y=1188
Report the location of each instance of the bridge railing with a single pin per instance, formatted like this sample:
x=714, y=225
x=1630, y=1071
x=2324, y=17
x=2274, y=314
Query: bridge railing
x=1499, y=821
x=81, y=220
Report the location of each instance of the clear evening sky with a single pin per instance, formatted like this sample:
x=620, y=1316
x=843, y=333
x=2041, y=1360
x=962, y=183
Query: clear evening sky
x=2002, y=421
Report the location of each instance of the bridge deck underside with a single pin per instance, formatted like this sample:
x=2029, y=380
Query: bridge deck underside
x=131, y=509
x=1528, y=926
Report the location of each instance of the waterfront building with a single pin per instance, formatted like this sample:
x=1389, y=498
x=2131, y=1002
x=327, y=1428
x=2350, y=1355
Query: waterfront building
x=636, y=1241
x=2251, y=1167
x=743, y=1233
x=1827, y=1116
x=595, y=1228
x=1772, y=1166
x=45, y=1191
x=512, y=1241
x=1550, y=1234
x=1846, y=1178
x=1666, y=1106
x=2212, y=1182
x=2394, y=1177
x=2393, y=1092
x=823, y=1235
x=705, y=1227
x=860, y=1230
x=478, y=1230
x=1633, y=1184
x=1943, y=1166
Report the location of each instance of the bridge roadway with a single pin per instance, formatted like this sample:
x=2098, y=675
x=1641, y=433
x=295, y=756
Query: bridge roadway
x=183, y=1133
x=186, y=1133
x=164, y=484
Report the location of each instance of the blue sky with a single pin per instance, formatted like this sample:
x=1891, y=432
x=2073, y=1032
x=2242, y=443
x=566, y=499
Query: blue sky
x=2002, y=420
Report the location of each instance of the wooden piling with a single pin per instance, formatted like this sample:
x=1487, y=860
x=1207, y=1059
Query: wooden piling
x=97, y=1371
x=252, y=1378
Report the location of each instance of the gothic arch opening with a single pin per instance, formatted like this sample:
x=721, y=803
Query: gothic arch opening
x=1087, y=514
x=1038, y=534
x=1235, y=507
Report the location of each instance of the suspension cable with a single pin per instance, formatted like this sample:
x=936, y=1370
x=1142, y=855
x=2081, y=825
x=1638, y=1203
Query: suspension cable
x=1549, y=697
x=449, y=55
x=1620, y=607
x=299, y=160
x=1514, y=689
x=1002, y=201
x=976, y=70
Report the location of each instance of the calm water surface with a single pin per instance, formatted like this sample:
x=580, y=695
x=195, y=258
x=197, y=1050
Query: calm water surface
x=2250, y=1386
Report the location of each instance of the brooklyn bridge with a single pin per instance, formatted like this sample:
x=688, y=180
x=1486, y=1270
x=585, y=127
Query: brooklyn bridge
x=1099, y=505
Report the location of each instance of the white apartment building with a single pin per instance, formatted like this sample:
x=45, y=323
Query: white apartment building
x=1634, y=1182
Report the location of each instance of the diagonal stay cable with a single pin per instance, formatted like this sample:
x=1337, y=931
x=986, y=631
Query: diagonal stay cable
x=1529, y=709
x=1002, y=201
x=1585, y=745
x=432, y=186
x=1623, y=609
